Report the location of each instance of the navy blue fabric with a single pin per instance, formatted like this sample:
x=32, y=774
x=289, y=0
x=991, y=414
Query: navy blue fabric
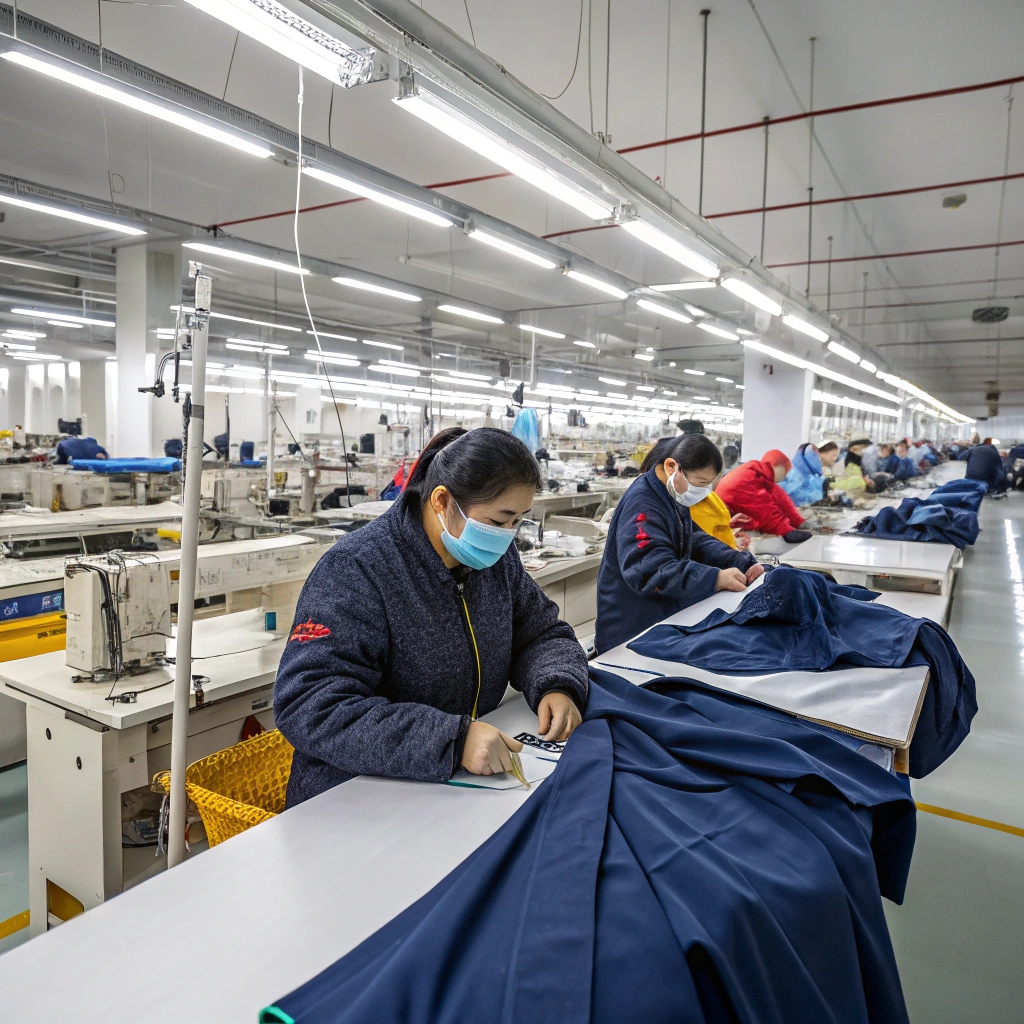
x=905, y=468
x=944, y=525
x=798, y=620
x=889, y=464
x=984, y=463
x=379, y=676
x=162, y=465
x=970, y=500
x=78, y=448
x=173, y=448
x=656, y=561
x=695, y=857
x=245, y=450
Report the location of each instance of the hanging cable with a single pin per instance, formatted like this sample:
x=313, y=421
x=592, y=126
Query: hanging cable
x=576, y=62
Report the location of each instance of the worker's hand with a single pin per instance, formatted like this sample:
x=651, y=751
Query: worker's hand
x=742, y=541
x=740, y=520
x=557, y=716
x=731, y=579
x=754, y=571
x=486, y=750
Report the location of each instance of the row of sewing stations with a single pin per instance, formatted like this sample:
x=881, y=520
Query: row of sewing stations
x=91, y=761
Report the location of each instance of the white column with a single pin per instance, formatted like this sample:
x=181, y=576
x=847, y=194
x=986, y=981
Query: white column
x=94, y=398
x=35, y=398
x=776, y=405
x=15, y=396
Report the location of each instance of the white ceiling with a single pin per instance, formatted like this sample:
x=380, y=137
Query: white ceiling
x=918, y=307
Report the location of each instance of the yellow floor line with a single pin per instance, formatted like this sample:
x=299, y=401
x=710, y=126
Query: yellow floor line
x=13, y=924
x=945, y=812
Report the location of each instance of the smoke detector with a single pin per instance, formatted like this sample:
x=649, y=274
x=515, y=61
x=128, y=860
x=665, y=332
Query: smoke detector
x=954, y=202
x=990, y=314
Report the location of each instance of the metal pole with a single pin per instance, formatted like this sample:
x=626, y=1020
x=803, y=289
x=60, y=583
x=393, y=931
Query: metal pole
x=810, y=173
x=828, y=279
x=864, y=310
x=271, y=426
x=187, y=572
x=764, y=188
x=703, y=110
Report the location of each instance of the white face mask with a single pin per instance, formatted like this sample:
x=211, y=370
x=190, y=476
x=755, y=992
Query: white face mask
x=691, y=496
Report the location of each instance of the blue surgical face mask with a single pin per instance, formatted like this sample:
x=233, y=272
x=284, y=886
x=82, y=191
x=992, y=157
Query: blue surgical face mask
x=480, y=545
x=691, y=496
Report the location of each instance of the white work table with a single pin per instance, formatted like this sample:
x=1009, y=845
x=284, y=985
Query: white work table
x=25, y=525
x=252, y=919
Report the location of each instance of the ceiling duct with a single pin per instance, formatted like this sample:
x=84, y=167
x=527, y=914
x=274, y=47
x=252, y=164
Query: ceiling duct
x=990, y=314
x=992, y=397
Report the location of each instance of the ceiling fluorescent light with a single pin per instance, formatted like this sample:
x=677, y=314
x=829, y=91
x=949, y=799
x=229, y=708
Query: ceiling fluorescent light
x=332, y=357
x=81, y=218
x=15, y=345
x=718, y=332
x=12, y=332
x=670, y=247
x=468, y=376
x=405, y=206
x=616, y=394
x=805, y=328
x=542, y=331
x=336, y=337
x=750, y=294
x=394, y=293
x=275, y=26
x=613, y=381
x=655, y=307
x=62, y=318
x=430, y=109
x=585, y=344
x=869, y=366
x=400, y=371
x=586, y=391
x=695, y=310
x=383, y=344
x=242, y=345
x=645, y=387
x=644, y=356
x=725, y=380
x=34, y=356
x=244, y=257
x=237, y=320
x=695, y=373
x=682, y=286
x=170, y=113
x=601, y=286
x=842, y=350
x=65, y=323
x=472, y=314
x=701, y=398
x=513, y=250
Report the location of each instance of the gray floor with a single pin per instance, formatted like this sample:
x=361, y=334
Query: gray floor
x=960, y=934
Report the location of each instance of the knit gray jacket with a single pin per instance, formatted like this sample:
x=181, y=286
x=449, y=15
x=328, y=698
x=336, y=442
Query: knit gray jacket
x=379, y=675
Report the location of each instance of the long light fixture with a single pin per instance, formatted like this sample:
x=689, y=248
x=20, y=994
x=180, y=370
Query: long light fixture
x=336, y=337
x=601, y=286
x=332, y=357
x=725, y=380
x=238, y=320
x=750, y=294
x=75, y=215
x=472, y=314
x=670, y=247
x=384, y=344
x=65, y=323
x=245, y=345
x=805, y=328
x=244, y=257
x=718, y=332
x=497, y=242
x=843, y=351
x=366, y=286
x=544, y=332
x=644, y=357
x=585, y=344
x=34, y=356
x=683, y=286
x=821, y=371
x=12, y=332
x=62, y=318
x=696, y=373
x=655, y=307
x=852, y=403
x=378, y=196
x=645, y=387
x=615, y=383
x=467, y=375
x=913, y=389
x=869, y=366
x=293, y=37
x=171, y=114
x=430, y=109
x=399, y=371
x=16, y=346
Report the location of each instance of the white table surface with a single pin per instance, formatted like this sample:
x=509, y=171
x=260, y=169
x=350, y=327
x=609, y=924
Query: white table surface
x=22, y=525
x=242, y=925
x=237, y=654
x=869, y=554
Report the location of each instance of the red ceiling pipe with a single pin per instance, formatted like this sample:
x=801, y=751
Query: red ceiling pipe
x=898, y=255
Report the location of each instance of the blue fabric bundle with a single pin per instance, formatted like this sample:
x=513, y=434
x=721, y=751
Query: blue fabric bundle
x=799, y=621
x=695, y=857
x=941, y=524
x=128, y=465
x=526, y=427
x=962, y=493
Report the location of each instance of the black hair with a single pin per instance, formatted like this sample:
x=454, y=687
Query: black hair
x=691, y=452
x=828, y=446
x=475, y=466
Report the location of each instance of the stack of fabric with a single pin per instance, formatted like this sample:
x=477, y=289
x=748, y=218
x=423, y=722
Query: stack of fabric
x=923, y=520
x=960, y=494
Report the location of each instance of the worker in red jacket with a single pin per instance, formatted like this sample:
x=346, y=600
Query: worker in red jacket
x=753, y=489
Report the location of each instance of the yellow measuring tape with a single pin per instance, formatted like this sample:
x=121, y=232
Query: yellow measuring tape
x=970, y=819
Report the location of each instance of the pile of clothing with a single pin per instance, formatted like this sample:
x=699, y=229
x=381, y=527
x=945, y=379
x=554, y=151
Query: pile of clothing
x=923, y=520
x=960, y=494
x=800, y=621
x=694, y=857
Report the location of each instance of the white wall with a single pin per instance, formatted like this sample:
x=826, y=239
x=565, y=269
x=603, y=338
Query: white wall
x=776, y=405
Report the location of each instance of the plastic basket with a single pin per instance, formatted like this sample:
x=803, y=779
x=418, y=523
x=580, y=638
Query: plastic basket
x=240, y=786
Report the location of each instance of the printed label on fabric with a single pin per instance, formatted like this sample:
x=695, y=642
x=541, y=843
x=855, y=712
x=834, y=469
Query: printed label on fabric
x=309, y=631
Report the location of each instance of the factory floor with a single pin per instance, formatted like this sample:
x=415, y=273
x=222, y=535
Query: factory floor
x=960, y=930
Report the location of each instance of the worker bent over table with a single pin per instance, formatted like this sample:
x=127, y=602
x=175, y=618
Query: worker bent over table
x=410, y=628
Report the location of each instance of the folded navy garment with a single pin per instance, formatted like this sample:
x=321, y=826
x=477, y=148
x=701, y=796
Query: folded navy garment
x=695, y=857
x=940, y=525
x=799, y=621
x=963, y=484
x=962, y=493
x=160, y=465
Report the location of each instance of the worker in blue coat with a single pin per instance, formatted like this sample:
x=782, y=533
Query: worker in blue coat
x=410, y=629
x=888, y=461
x=805, y=482
x=906, y=469
x=984, y=463
x=656, y=560
x=79, y=448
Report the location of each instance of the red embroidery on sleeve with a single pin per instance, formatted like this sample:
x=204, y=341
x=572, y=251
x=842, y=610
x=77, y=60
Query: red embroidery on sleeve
x=641, y=535
x=642, y=518
x=309, y=631
x=642, y=544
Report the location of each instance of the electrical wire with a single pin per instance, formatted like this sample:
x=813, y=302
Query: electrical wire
x=576, y=63
x=305, y=299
